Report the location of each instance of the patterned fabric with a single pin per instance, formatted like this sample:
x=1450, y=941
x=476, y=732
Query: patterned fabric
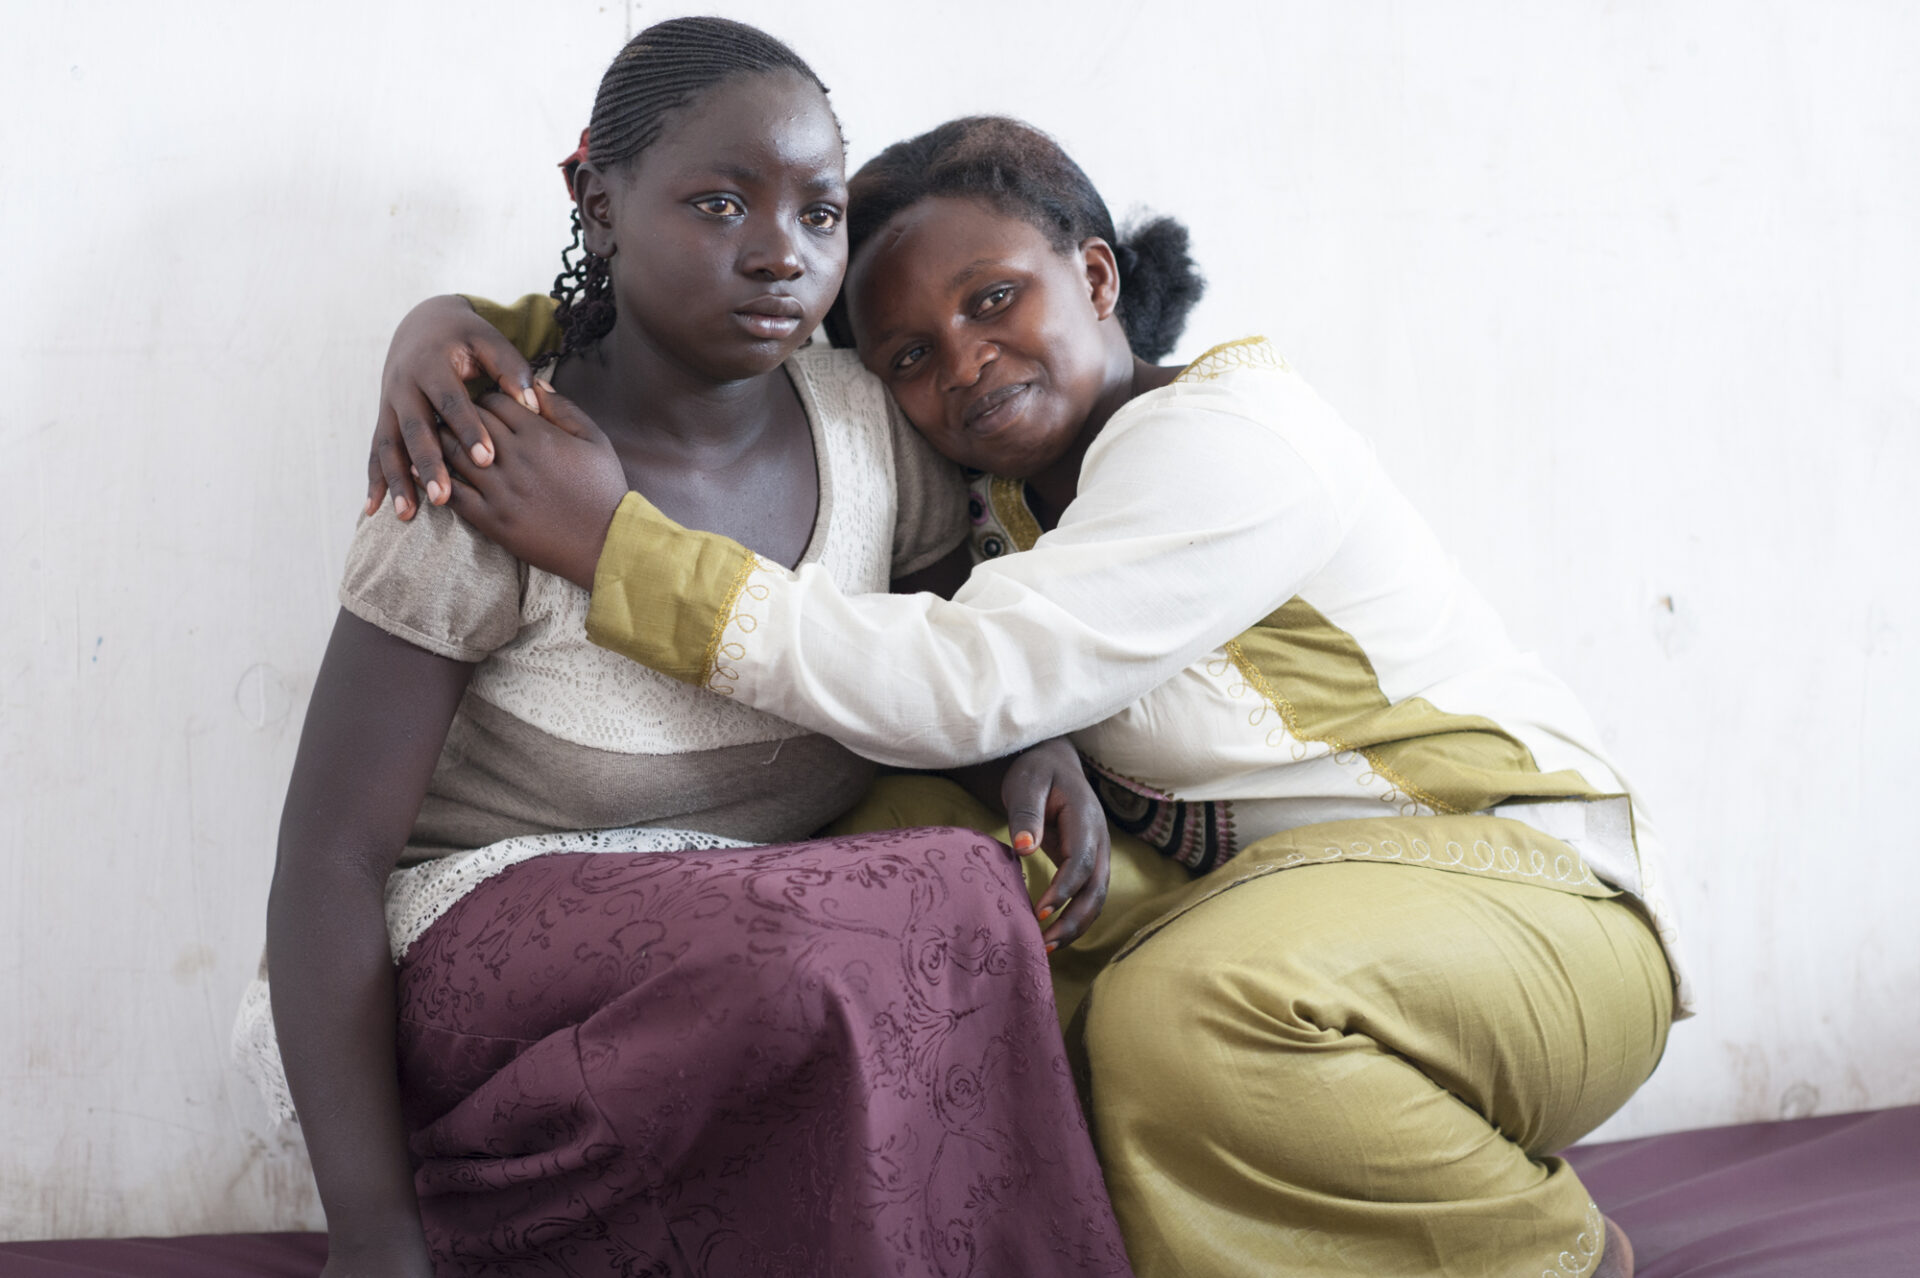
x=416, y=897
x=1197, y=835
x=1000, y=520
x=835, y=1057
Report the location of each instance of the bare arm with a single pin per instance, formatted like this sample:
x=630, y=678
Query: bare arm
x=374, y=729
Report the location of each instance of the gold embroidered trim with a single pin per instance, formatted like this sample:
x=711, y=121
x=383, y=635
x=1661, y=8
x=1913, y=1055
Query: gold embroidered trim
x=1247, y=352
x=1504, y=862
x=1009, y=498
x=710, y=662
x=1528, y=863
x=1258, y=682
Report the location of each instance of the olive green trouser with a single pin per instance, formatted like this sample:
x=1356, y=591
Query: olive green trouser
x=1297, y=1065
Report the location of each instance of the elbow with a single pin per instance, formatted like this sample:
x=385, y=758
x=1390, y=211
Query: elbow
x=311, y=880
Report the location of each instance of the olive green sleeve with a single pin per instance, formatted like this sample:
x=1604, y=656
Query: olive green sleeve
x=528, y=323
x=662, y=594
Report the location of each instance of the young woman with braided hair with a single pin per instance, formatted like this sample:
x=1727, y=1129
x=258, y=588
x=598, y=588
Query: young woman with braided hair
x=1424, y=946
x=680, y=1042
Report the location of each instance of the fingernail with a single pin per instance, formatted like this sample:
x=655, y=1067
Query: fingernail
x=1046, y=912
x=1023, y=842
x=545, y=385
x=1052, y=946
x=531, y=400
x=482, y=454
x=400, y=505
x=436, y=492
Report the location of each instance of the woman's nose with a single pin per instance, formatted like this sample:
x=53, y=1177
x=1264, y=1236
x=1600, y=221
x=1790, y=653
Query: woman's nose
x=773, y=254
x=964, y=361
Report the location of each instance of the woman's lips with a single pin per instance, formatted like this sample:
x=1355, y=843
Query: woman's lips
x=995, y=409
x=762, y=325
x=773, y=316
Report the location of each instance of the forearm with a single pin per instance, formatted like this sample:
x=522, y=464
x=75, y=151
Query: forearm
x=913, y=681
x=333, y=1004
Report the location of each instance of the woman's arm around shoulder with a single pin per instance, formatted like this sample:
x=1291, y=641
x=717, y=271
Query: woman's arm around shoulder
x=441, y=345
x=1194, y=519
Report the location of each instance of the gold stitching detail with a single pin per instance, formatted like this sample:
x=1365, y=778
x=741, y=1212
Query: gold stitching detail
x=1247, y=352
x=1416, y=852
x=710, y=662
x=1009, y=498
x=1258, y=681
x=1584, y=1256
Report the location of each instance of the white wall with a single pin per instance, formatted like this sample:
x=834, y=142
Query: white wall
x=1627, y=293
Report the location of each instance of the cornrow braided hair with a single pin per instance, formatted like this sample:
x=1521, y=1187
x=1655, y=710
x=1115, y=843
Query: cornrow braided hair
x=1025, y=174
x=658, y=71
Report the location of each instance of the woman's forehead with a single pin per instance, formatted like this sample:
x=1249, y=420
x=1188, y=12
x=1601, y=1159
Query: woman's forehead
x=763, y=127
x=946, y=241
x=930, y=252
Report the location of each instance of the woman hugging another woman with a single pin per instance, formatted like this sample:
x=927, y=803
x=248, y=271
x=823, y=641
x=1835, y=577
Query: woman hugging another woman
x=609, y=1017
x=1384, y=930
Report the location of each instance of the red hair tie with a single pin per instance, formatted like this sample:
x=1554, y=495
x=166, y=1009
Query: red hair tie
x=571, y=165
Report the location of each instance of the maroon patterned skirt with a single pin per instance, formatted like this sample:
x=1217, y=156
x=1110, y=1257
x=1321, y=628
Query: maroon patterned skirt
x=827, y=1058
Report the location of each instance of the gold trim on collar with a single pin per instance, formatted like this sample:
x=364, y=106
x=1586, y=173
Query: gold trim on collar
x=1247, y=352
x=1009, y=498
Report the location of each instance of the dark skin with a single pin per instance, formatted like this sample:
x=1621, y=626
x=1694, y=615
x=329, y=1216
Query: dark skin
x=719, y=436
x=379, y=716
x=726, y=252
x=736, y=253
x=1005, y=352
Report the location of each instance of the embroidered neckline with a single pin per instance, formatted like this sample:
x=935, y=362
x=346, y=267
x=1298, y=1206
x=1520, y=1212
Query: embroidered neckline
x=1245, y=352
x=1009, y=501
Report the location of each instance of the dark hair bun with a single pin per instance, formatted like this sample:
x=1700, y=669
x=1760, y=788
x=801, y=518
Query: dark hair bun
x=1158, y=285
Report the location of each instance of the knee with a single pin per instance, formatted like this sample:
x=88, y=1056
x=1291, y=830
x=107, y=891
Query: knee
x=846, y=919
x=1188, y=1014
x=972, y=922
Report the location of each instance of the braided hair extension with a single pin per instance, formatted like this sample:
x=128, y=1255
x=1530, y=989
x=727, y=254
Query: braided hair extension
x=658, y=71
x=1025, y=174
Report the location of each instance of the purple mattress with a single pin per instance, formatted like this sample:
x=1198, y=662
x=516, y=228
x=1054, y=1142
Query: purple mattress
x=1814, y=1196
x=1768, y=1200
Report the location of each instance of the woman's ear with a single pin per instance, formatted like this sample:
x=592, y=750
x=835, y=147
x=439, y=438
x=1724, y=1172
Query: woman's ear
x=1103, y=276
x=596, y=210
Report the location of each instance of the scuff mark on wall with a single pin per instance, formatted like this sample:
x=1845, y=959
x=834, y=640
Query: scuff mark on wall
x=192, y=962
x=263, y=696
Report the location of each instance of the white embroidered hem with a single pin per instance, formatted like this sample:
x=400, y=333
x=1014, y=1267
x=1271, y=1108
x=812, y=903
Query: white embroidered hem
x=416, y=897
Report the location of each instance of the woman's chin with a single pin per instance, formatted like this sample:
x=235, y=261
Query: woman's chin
x=740, y=361
x=1020, y=454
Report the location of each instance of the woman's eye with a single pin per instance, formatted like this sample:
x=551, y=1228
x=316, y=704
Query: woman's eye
x=908, y=358
x=992, y=298
x=821, y=219
x=720, y=206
